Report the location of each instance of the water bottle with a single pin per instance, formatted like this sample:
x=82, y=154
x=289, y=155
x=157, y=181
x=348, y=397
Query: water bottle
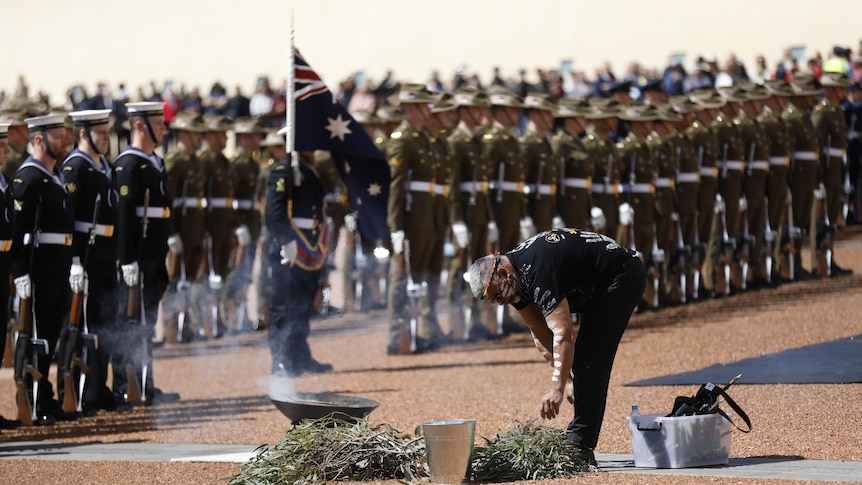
x=635, y=410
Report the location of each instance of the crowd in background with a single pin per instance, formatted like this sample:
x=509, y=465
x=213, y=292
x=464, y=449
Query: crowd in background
x=359, y=92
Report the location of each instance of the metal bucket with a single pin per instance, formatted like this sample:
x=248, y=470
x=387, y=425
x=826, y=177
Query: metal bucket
x=449, y=449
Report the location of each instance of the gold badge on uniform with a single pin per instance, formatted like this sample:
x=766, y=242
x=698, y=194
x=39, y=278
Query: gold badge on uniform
x=71, y=187
x=19, y=205
x=553, y=238
x=124, y=190
x=395, y=162
x=280, y=186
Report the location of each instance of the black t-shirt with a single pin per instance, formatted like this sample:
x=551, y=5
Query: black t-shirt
x=566, y=263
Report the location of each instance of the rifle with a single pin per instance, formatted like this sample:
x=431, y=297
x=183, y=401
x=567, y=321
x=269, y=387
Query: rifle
x=78, y=340
x=695, y=283
x=769, y=237
x=728, y=245
x=848, y=187
x=408, y=197
x=682, y=251
x=501, y=174
x=360, y=267
x=26, y=348
x=823, y=225
x=136, y=391
x=793, y=232
x=746, y=237
x=415, y=291
x=215, y=284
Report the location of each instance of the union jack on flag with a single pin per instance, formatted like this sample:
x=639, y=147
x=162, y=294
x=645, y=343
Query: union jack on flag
x=322, y=123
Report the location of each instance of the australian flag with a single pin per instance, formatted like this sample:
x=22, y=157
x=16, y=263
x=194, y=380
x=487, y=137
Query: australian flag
x=322, y=123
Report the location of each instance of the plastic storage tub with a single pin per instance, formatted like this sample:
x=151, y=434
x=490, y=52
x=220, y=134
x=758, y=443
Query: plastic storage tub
x=659, y=441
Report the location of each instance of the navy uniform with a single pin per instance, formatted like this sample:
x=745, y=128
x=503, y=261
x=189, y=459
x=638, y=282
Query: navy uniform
x=89, y=182
x=852, y=107
x=219, y=221
x=42, y=254
x=296, y=251
x=140, y=173
x=246, y=172
x=543, y=167
x=186, y=186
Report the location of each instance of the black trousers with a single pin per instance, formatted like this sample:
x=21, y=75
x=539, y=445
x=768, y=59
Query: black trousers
x=290, y=309
x=133, y=344
x=601, y=330
x=5, y=299
x=50, y=294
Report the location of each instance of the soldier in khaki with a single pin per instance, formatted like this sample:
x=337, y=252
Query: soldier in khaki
x=751, y=235
x=804, y=165
x=575, y=200
x=606, y=178
x=687, y=188
x=511, y=209
x=18, y=139
x=705, y=145
x=245, y=170
x=778, y=184
x=187, y=187
x=637, y=213
x=828, y=119
x=414, y=218
x=471, y=212
x=219, y=240
x=543, y=168
x=665, y=159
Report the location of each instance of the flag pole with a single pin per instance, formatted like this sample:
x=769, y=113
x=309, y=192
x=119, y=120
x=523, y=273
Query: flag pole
x=290, y=110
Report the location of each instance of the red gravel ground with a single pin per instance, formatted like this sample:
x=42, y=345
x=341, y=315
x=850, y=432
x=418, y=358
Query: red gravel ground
x=224, y=385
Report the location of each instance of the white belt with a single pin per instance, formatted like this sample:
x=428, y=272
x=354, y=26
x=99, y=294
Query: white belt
x=779, y=161
x=805, y=155
x=59, y=238
x=247, y=204
x=154, y=212
x=304, y=223
x=191, y=202
x=509, y=186
x=760, y=165
x=734, y=165
x=101, y=229
x=542, y=189
x=639, y=188
x=852, y=135
x=688, y=177
x=431, y=187
x=474, y=186
x=5, y=245
x=222, y=203
x=663, y=182
x=835, y=152
x=612, y=189
x=577, y=183
x=709, y=171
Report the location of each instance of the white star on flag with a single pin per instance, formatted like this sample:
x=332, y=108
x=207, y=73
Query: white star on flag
x=338, y=128
x=374, y=189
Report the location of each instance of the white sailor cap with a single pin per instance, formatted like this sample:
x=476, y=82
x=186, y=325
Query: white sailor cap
x=46, y=122
x=4, y=130
x=146, y=108
x=90, y=117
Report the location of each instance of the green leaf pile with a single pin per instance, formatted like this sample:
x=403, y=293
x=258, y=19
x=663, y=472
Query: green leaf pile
x=525, y=451
x=329, y=449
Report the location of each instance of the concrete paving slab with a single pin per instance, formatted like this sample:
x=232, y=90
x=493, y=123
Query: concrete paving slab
x=787, y=468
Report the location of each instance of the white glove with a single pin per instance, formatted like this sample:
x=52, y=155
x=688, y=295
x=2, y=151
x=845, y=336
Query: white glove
x=130, y=273
x=397, y=238
x=459, y=230
x=350, y=222
x=175, y=244
x=528, y=229
x=820, y=192
x=22, y=286
x=243, y=237
x=597, y=219
x=719, y=204
x=288, y=253
x=743, y=204
x=627, y=214
x=557, y=222
x=493, y=232
x=76, y=276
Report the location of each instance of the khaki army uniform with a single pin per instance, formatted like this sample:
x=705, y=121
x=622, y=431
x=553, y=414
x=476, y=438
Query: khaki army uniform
x=750, y=231
x=777, y=183
x=638, y=188
x=605, y=185
x=831, y=127
x=664, y=158
x=412, y=208
x=804, y=167
x=542, y=178
x=16, y=156
x=219, y=222
x=503, y=152
x=687, y=183
x=576, y=179
x=705, y=146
